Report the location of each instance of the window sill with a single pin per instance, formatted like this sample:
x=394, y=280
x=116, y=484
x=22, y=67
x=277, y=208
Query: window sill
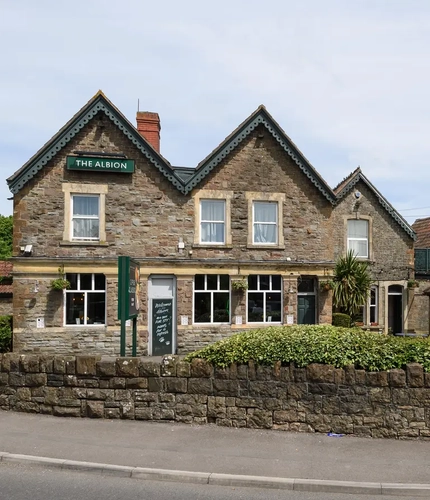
x=266, y=247
x=211, y=245
x=84, y=244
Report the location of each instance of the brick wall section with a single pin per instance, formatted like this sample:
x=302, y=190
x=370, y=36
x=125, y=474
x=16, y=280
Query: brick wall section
x=317, y=398
x=6, y=307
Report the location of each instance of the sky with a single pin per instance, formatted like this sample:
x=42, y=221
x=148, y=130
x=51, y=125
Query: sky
x=348, y=81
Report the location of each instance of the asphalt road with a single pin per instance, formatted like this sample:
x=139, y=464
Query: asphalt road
x=21, y=482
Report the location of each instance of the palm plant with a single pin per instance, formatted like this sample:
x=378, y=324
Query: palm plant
x=351, y=284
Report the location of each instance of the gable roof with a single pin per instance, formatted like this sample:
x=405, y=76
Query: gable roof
x=98, y=104
x=184, y=179
x=347, y=184
x=422, y=230
x=260, y=117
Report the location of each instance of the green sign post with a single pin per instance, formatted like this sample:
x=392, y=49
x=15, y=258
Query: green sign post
x=128, y=298
x=93, y=163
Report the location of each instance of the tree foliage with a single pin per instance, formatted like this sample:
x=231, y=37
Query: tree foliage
x=351, y=284
x=6, y=234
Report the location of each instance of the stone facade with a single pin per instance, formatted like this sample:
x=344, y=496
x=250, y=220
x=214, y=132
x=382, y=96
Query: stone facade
x=318, y=398
x=152, y=215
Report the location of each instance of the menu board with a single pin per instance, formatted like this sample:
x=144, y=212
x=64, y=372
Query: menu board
x=162, y=323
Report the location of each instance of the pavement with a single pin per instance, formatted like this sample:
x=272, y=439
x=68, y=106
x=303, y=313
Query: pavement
x=218, y=455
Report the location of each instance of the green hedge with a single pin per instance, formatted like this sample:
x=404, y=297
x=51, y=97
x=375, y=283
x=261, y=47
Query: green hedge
x=340, y=319
x=326, y=344
x=5, y=333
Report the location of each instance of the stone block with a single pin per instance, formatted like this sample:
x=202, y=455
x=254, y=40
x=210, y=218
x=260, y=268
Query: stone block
x=226, y=387
x=122, y=395
x=36, y=379
x=29, y=363
x=415, y=375
x=112, y=413
x=183, y=369
x=175, y=385
x=200, y=368
x=23, y=394
x=59, y=365
x=94, y=409
x=105, y=368
x=136, y=383
x=168, y=365
x=26, y=406
x=149, y=368
x=143, y=413
x=86, y=365
x=377, y=379
x=70, y=380
x=70, y=362
x=66, y=411
x=320, y=373
x=117, y=383
x=46, y=363
x=242, y=371
x=259, y=419
x=397, y=378
x=155, y=384
x=4, y=379
x=200, y=386
x=216, y=407
x=127, y=367
x=16, y=379
x=127, y=410
x=265, y=388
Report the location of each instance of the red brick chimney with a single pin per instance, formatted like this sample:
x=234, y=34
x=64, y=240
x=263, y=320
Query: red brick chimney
x=148, y=126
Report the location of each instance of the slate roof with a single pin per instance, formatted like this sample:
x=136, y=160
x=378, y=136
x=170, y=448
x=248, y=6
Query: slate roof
x=422, y=229
x=347, y=184
x=6, y=272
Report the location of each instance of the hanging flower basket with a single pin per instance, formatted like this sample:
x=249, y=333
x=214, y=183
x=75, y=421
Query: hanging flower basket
x=240, y=285
x=326, y=285
x=413, y=284
x=60, y=283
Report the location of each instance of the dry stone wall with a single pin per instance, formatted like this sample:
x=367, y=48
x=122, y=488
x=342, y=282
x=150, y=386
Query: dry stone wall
x=317, y=398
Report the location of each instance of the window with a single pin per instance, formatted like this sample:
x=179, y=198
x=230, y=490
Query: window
x=84, y=214
x=265, y=222
x=358, y=237
x=373, y=305
x=212, y=221
x=85, y=217
x=211, y=298
x=86, y=299
x=264, y=299
x=212, y=224
x=265, y=228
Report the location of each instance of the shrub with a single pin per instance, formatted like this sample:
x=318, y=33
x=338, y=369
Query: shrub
x=326, y=344
x=340, y=319
x=5, y=333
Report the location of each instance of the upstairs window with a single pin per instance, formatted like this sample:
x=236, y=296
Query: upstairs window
x=212, y=221
x=86, y=299
x=265, y=222
x=358, y=237
x=85, y=217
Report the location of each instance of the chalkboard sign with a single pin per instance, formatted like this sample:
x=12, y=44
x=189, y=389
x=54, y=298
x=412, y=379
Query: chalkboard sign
x=162, y=323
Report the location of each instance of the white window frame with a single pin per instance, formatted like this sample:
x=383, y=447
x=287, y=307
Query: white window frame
x=93, y=290
x=265, y=292
x=84, y=217
x=70, y=189
x=350, y=239
x=207, y=194
x=208, y=221
x=265, y=223
x=212, y=292
x=375, y=305
x=278, y=198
